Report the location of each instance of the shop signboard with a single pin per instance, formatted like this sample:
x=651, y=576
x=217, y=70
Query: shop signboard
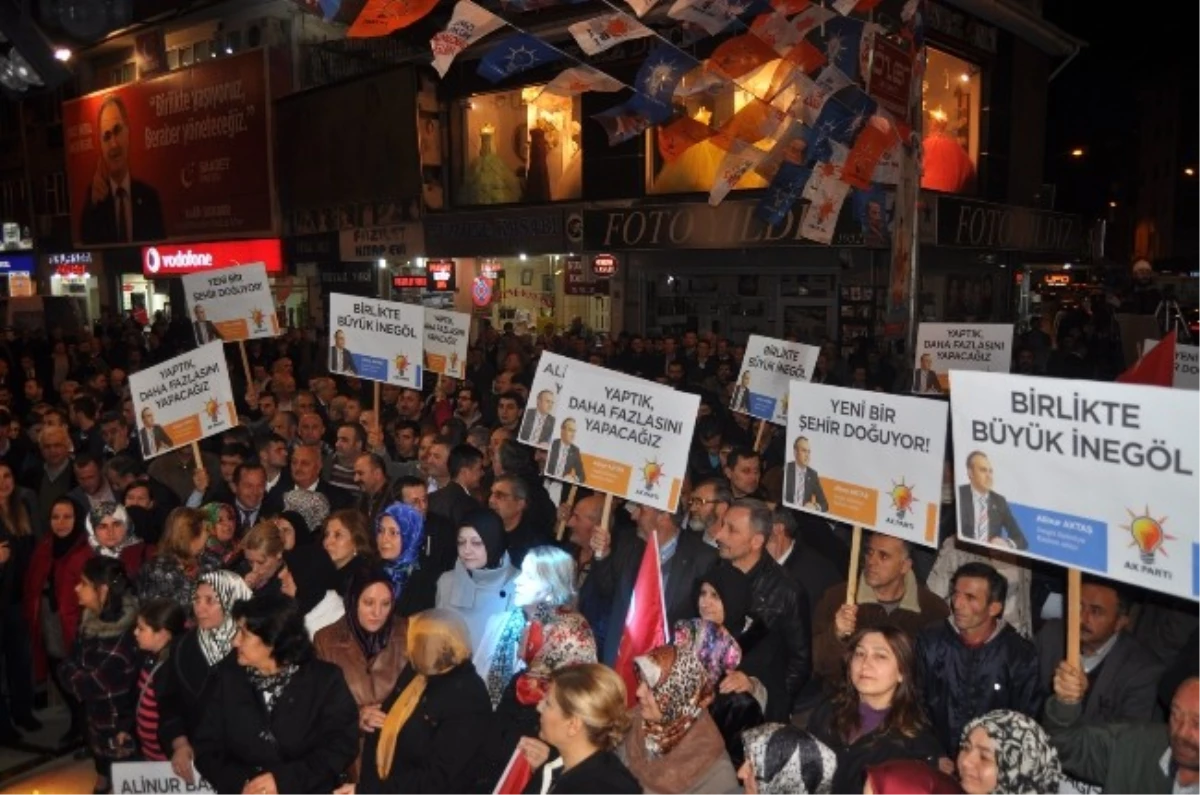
x=440, y=276
x=182, y=400
x=170, y=260
x=182, y=156
x=499, y=233
x=968, y=223
x=16, y=263
x=577, y=280
x=371, y=243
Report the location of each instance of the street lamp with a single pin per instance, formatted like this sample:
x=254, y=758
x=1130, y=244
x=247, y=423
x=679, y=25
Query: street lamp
x=1076, y=152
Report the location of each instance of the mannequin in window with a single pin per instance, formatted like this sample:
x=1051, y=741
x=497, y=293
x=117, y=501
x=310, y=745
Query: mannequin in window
x=488, y=179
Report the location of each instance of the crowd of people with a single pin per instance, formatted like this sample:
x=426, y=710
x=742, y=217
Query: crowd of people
x=339, y=596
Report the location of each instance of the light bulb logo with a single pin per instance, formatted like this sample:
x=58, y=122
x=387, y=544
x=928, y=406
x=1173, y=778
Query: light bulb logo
x=1148, y=534
x=902, y=498
x=652, y=471
x=210, y=408
x=402, y=364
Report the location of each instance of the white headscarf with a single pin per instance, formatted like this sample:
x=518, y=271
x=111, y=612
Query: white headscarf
x=230, y=589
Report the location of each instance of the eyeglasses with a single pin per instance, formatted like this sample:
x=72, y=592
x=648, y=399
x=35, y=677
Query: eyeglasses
x=114, y=132
x=502, y=495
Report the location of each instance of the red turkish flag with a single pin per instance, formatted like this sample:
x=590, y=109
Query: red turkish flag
x=646, y=619
x=515, y=777
x=1156, y=368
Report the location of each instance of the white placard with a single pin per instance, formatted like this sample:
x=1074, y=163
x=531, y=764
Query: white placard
x=447, y=337
x=376, y=340
x=942, y=347
x=537, y=426
x=1187, y=364
x=629, y=438
x=137, y=777
x=182, y=400
x=230, y=304
x=767, y=367
x=866, y=458
x=1097, y=476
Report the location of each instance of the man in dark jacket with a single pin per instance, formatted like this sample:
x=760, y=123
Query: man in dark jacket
x=775, y=600
x=974, y=663
x=685, y=558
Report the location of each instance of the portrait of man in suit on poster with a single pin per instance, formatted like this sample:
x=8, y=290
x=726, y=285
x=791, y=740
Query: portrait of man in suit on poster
x=116, y=207
x=983, y=514
x=153, y=436
x=801, y=483
x=538, y=425
x=741, y=395
x=340, y=359
x=925, y=380
x=564, y=460
x=202, y=327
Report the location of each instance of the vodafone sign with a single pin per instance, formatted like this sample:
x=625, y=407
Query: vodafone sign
x=168, y=260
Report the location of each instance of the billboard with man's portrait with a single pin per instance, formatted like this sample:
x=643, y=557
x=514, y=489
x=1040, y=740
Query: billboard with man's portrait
x=183, y=156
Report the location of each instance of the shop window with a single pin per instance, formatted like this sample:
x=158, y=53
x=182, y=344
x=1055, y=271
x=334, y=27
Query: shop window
x=520, y=146
x=951, y=98
x=173, y=58
x=122, y=74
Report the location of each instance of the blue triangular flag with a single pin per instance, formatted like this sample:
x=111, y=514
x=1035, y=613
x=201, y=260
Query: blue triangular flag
x=514, y=55
x=661, y=72
x=783, y=193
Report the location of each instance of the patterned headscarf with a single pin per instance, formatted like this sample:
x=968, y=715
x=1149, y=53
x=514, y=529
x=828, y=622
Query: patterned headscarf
x=716, y=649
x=97, y=515
x=787, y=759
x=1025, y=759
x=681, y=691
x=564, y=639
x=313, y=507
x=216, y=550
x=230, y=588
x=412, y=535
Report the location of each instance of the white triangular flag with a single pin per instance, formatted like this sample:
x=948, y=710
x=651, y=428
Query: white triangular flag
x=579, y=79
x=596, y=35
x=815, y=93
x=468, y=24
x=821, y=215
x=739, y=160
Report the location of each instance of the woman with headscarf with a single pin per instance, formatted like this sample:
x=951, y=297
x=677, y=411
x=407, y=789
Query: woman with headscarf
x=309, y=577
x=908, y=777
x=1007, y=753
x=221, y=550
x=783, y=759
x=111, y=535
x=191, y=663
x=480, y=586
x=277, y=718
x=367, y=643
x=720, y=654
x=291, y=526
x=435, y=719
x=673, y=745
x=51, y=604
x=313, y=509
x=399, y=533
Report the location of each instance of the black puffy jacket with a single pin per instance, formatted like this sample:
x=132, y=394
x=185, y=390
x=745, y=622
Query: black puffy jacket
x=782, y=605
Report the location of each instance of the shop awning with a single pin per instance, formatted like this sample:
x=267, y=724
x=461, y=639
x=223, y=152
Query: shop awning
x=1024, y=24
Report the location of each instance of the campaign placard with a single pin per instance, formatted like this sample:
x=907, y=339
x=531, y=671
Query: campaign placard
x=154, y=777
x=537, y=426
x=1187, y=364
x=1096, y=476
x=447, y=336
x=182, y=400
x=942, y=347
x=231, y=304
x=376, y=340
x=768, y=366
x=629, y=438
x=866, y=458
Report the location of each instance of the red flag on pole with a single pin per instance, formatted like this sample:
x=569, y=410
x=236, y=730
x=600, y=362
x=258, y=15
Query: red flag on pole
x=1156, y=368
x=515, y=777
x=646, y=620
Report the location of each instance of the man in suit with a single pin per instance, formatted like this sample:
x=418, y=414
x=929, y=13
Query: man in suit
x=455, y=501
x=306, y=474
x=116, y=207
x=538, y=425
x=925, y=380
x=801, y=483
x=685, y=559
x=153, y=437
x=983, y=514
x=202, y=327
x=741, y=395
x=564, y=460
x=340, y=359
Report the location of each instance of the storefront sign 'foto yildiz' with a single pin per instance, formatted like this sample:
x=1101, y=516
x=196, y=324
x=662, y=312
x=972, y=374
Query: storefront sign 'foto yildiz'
x=942, y=347
x=866, y=458
x=183, y=400
x=231, y=304
x=376, y=340
x=625, y=437
x=1095, y=476
x=767, y=368
x=537, y=426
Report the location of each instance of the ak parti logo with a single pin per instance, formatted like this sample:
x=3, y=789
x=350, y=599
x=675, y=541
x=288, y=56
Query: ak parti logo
x=652, y=472
x=903, y=498
x=1148, y=534
x=402, y=365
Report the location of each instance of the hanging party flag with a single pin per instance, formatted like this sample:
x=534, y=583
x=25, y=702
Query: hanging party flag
x=640, y=7
x=514, y=55
x=874, y=209
x=828, y=170
x=790, y=147
x=700, y=80
x=382, y=17
x=596, y=35
x=815, y=93
x=630, y=119
x=783, y=193
x=847, y=7
x=754, y=122
x=468, y=24
x=711, y=15
x=840, y=41
x=645, y=620
x=681, y=135
x=821, y=217
x=581, y=79
x=860, y=104
x=739, y=160
x=740, y=55
x=887, y=170
x=661, y=72
x=876, y=138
